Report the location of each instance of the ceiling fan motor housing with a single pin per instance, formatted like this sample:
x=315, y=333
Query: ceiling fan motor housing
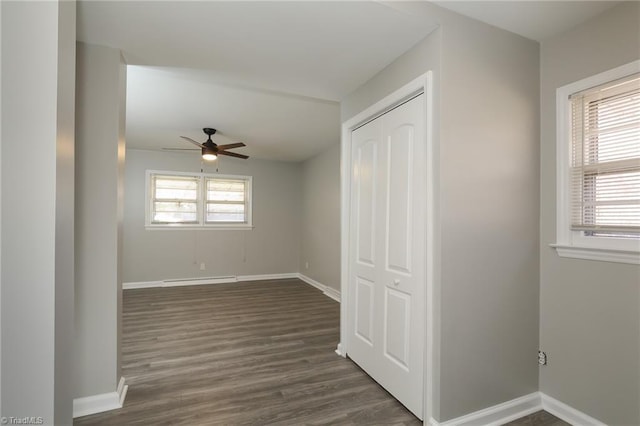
x=210, y=150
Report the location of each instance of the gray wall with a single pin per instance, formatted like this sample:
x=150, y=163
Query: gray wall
x=100, y=103
x=1, y=138
x=590, y=310
x=38, y=49
x=424, y=56
x=489, y=185
x=320, y=235
x=272, y=247
x=65, y=214
x=486, y=90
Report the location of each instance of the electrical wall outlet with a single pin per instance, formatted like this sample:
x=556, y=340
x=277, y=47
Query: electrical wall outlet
x=542, y=358
x=202, y=266
x=306, y=265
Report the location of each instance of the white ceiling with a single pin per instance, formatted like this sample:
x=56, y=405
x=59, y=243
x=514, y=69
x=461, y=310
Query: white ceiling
x=271, y=73
x=199, y=64
x=536, y=20
x=164, y=103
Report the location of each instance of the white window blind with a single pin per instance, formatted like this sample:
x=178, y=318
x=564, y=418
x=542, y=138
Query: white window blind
x=605, y=159
x=184, y=200
x=174, y=199
x=226, y=200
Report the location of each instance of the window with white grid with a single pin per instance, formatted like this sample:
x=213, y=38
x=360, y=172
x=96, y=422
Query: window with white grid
x=599, y=166
x=174, y=199
x=226, y=200
x=183, y=200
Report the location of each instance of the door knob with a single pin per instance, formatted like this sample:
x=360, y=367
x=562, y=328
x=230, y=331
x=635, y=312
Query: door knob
x=396, y=281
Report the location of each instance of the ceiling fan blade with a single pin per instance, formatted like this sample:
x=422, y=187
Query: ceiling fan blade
x=233, y=154
x=180, y=149
x=231, y=146
x=192, y=141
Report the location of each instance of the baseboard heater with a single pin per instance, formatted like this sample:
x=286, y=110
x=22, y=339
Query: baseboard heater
x=198, y=281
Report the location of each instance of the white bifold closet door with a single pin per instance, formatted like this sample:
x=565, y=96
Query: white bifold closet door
x=387, y=251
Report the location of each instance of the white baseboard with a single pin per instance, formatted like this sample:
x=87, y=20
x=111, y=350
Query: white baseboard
x=122, y=390
x=99, y=403
x=328, y=291
x=141, y=284
x=265, y=277
x=206, y=280
x=520, y=407
x=198, y=281
x=312, y=282
x=498, y=414
x=340, y=351
x=567, y=413
x=332, y=293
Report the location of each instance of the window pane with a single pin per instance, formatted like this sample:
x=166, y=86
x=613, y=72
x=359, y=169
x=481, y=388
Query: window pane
x=177, y=212
x=179, y=206
x=226, y=190
x=176, y=188
x=175, y=194
x=174, y=217
x=225, y=196
x=605, y=170
x=225, y=212
x=612, y=128
x=612, y=199
x=181, y=199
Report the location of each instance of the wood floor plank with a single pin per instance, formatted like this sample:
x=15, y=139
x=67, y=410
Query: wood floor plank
x=256, y=353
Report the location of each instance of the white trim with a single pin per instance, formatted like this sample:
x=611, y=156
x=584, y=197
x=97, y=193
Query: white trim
x=340, y=351
x=174, y=227
x=102, y=402
x=265, y=277
x=422, y=84
x=498, y=414
x=179, y=282
x=432, y=272
x=573, y=243
x=141, y=284
x=567, y=413
x=520, y=407
x=325, y=289
x=332, y=293
x=122, y=390
x=198, y=281
x=207, y=280
x=312, y=282
x=589, y=253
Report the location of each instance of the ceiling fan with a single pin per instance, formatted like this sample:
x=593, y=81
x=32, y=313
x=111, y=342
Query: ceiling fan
x=210, y=150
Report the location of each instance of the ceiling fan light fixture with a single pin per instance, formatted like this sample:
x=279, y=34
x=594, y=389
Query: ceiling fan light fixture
x=210, y=150
x=209, y=157
x=209, y=154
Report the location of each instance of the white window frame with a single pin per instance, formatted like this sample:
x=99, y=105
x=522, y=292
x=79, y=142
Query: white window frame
x=202, y=203
x=570, y=243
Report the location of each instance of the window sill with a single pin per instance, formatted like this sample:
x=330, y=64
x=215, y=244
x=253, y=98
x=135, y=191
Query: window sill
x=599, y=254
x=198, y=228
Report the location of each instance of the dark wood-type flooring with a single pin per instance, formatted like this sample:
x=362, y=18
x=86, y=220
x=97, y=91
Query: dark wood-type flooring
x=254, y=353
x=540, y=418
